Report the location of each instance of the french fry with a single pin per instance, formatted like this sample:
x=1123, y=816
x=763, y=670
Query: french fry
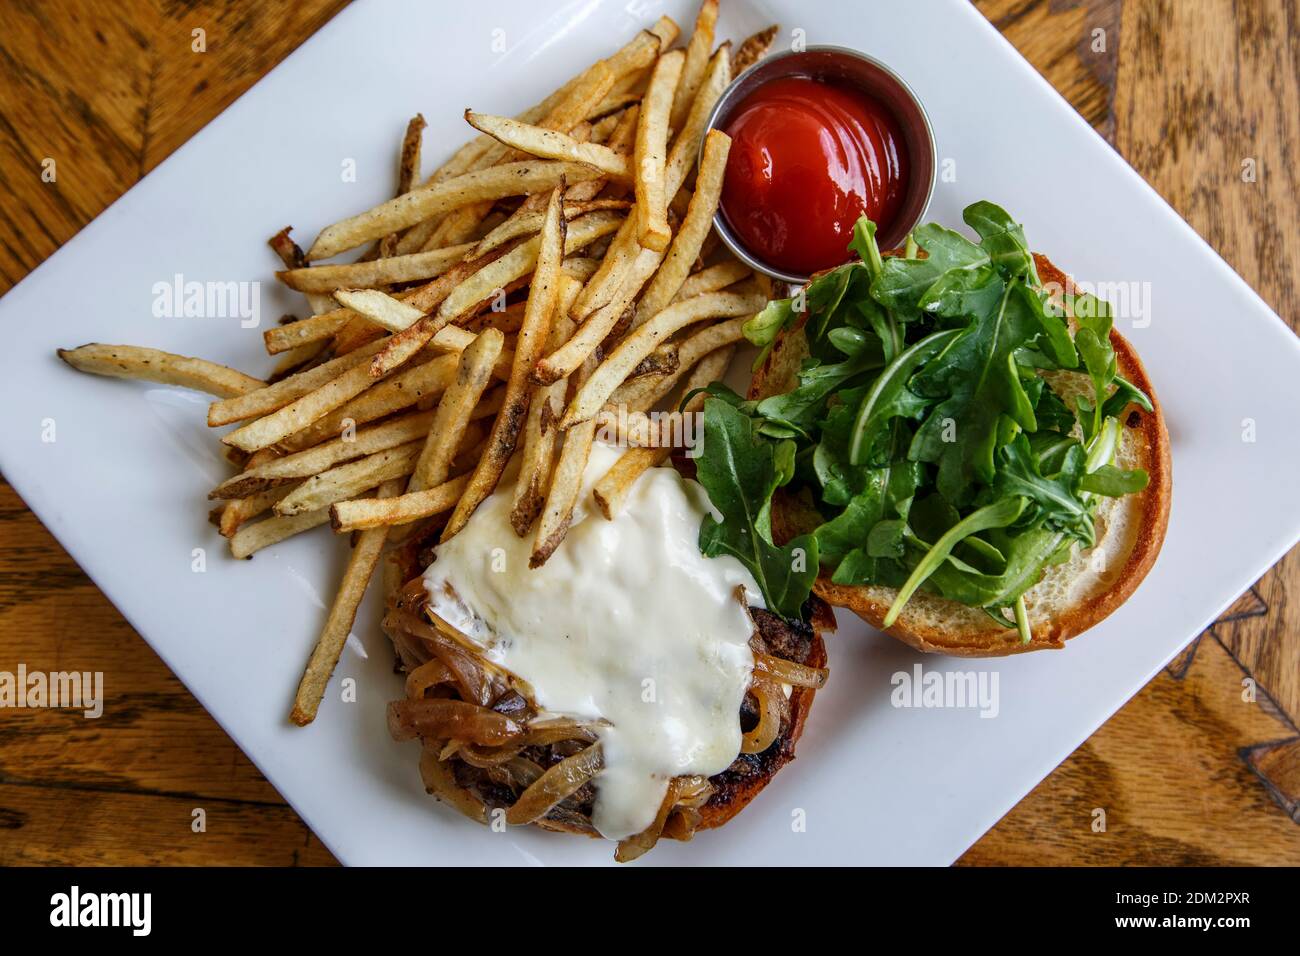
x=374, y=272
x=566, y=484
x=165, y=368
x=551, y=144
x=664, y=360
x=651, y=153
x=301, y=412
x=297, y=360
x=340, y=321
x=237, y=512
x=539, y=430
x=473, y=375
x=686, y=144
x=754, y=48
x=641, y=341
x=530, y=222
x=262, y=534
x=611, y=490
x=713, y=279
x=292, y=257
x=364, y=513
x=427, y=380
x=312, y=461
x=380, y=308
x=697, y=57
x=408, y=171
x=497, y=182
x=686, y=244
x=569, y=357
x=643, y=393
x=267, y=399
x=533, y=335
x=349, y=480
x=343, y=612
x=487, y=282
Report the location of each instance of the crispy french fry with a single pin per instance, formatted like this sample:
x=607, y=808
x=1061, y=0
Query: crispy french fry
x=265, y=400
x=754, y=48
x=651, y=153
x=713, y=279
x=408, y=171
x=363, y=513
x=509, y=179
x=406, y=388
x=533, y=335
x=374, y=272
x=539, y=430
x=301, y=412
x=641, y=341
x=551, y=144
x=530, y=222
x=473, y=375
x=350, y=480
x=292, y=257
x=262, y=534
x=165, y=368
x=664, y=360
x=313, y=461
x=697, y=57
x=343, y=612
x=565, y=485
x=611, y=491
x=686, y=144
x=237, y=512
x=569, y=357
x=643, y=393
x=380, y=308
x=297, y=360
x=686, y=244
x=487, y=282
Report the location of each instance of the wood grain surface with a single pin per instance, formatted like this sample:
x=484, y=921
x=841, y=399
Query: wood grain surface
x=1202, y=766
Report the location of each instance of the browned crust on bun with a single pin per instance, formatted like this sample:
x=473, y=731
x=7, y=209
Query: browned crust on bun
x=734, y=787
x=977, y=635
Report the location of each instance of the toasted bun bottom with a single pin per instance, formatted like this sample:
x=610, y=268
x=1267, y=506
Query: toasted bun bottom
x=1072, y=596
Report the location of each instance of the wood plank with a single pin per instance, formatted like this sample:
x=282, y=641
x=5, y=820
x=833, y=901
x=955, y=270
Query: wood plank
x=49, y=826
x=1173, y=773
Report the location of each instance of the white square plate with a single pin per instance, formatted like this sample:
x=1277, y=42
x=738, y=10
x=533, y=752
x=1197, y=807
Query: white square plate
x=123, y=484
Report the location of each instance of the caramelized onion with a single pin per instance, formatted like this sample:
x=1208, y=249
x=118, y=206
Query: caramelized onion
x=682, y=823
x=641, y=843
x=443, y=718
x=555, y=784
x=441, y=783
x=770, y=698
x=477, y=684
x=429, y=674
x=790, y=672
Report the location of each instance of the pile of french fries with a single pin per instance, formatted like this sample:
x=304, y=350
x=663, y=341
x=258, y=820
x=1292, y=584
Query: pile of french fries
x=558, y=267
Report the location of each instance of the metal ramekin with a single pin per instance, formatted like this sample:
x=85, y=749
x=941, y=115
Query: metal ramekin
x=848, y=67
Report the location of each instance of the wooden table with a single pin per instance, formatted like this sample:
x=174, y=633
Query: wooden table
x=1188, y=771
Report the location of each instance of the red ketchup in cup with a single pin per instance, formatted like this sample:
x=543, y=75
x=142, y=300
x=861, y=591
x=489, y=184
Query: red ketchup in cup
x=808, y=157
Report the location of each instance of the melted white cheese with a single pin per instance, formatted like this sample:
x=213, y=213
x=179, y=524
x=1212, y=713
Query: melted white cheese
x=626, y=623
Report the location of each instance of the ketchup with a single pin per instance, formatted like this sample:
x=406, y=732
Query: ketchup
x=808, y=157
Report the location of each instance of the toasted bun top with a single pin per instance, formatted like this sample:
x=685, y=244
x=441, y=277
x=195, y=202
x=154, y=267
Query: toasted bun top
x=1072, y=596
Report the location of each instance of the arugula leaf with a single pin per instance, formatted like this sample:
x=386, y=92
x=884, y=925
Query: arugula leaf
x=739, y=470
x=902, y=283
x=890, y=397
x=1004, y=239
x=977, y=373
x=997, y=515
x=1114, y=482
x=1054, y=497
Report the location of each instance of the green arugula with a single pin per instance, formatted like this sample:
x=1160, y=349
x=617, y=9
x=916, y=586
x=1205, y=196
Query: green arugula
x=923, y=426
